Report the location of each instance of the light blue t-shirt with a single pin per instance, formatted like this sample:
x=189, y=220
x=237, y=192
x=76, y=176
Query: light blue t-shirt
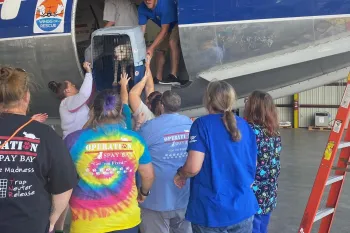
x=165, y=12
x=167, y=138
x=221, y=193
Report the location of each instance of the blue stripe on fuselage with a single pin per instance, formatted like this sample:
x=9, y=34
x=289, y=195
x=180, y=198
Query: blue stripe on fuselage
x=22, y=25
x=206, y=11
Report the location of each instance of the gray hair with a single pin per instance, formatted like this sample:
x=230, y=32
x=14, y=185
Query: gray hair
x=171, y=101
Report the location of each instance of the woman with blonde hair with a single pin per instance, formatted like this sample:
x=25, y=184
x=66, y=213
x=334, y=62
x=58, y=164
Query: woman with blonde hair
x=221, y=163
x=37, y=174
x=261, y=113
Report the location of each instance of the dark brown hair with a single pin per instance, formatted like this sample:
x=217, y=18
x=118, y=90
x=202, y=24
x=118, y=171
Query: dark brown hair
x=220, y=97
x=261, y=110
x=58, y=89
x=14, y=84
x=155, y=102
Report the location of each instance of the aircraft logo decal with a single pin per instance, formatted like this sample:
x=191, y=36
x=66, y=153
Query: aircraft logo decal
x=49, y=16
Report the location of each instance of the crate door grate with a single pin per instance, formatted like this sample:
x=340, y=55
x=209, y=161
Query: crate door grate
x=112, y=55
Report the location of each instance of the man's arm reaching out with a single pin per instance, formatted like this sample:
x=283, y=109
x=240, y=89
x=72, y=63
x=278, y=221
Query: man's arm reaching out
x=160, y=37
x=144, y=27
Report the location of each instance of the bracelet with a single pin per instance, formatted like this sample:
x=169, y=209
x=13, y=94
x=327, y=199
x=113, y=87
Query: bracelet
x=143, y=194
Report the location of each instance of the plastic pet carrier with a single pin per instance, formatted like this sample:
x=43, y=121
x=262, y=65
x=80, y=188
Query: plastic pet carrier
x=115, y=50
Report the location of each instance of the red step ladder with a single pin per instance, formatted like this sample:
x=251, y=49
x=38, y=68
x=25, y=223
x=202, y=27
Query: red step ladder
x=324, y=178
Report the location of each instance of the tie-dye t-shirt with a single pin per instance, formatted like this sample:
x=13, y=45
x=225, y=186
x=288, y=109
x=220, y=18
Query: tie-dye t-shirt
x=106, y=159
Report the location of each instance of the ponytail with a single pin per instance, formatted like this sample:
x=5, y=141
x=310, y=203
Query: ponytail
x=231, y=125
x=53, y=86
x=58, y=89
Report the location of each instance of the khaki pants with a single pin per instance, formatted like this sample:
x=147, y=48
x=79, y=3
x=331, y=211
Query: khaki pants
x=174, y=35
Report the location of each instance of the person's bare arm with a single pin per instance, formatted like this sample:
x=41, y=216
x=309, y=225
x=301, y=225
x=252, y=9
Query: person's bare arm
x=135, y=94
x=124, y=80
x=191, y=168
x=136, y=91
x=40, y=117
x=147, y=177
x=109, y=24
x=109, y=12
x=193, y=164
x=160, y=37
x=144, y=27
x=59, y=204
x=77, y=101
x=139, y=120
x=149, y=88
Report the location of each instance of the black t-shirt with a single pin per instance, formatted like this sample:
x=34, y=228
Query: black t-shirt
x=33, y=165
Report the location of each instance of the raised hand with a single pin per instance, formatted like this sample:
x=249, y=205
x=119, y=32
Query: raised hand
x=149, y=53
x=124, y=79
x=41, y=117
x=87, y=67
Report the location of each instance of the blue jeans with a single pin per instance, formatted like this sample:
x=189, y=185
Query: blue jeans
x=245, y=226
x=261, y=223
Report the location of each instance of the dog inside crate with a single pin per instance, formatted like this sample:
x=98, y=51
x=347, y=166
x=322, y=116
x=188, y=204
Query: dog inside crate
x=112, y=55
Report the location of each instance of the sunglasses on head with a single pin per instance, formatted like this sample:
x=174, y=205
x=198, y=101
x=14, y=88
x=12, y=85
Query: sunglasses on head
x=14, y=68
x=19, y=69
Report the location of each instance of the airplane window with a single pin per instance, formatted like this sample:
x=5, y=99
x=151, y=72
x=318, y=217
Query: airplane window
x=10, y=9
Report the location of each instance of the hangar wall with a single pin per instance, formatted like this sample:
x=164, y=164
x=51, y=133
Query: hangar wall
x=322, y=99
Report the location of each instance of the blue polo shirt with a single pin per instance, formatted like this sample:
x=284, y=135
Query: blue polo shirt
x=165, y=12
x=221, y=193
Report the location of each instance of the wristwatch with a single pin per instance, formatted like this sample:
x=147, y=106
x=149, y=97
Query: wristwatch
x=145, y=194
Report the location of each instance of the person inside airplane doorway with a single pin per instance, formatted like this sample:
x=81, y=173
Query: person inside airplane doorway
x=116, y=13
x=166, y=137
x=221, y=162
x=120, y=13
x=37, y=174
x=164, y=14
x=261, y=114
x=74, y=112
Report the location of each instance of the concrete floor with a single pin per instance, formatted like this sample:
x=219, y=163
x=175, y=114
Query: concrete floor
x=300, y=159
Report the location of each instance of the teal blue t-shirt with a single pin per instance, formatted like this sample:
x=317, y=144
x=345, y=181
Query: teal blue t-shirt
x=127, y=115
